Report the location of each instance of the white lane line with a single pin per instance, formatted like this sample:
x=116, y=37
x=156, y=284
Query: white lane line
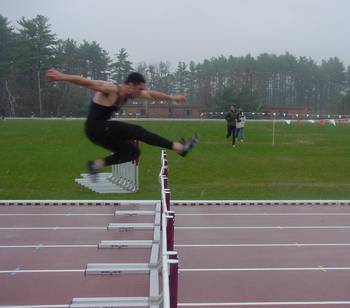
x=54, y=214
x=37, y=306
x=20, y=271
x=262, y=214
x=184, y=214
x=262, y=245
x=189, y=245
x=49, y=246
x=183, y=228
x=248, y=269
x=261, y=227
x=265, y=269
x=265, y=303
x=54, y=228
x=214, y=304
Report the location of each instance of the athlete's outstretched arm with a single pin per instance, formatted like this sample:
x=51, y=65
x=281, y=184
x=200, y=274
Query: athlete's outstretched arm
x=97, y=85
x=159, y=96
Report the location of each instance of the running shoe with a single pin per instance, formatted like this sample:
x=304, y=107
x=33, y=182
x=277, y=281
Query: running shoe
x=188, y=144
x=92, y=170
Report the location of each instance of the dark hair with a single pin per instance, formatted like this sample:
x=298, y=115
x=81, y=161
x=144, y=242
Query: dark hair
x=135, y=78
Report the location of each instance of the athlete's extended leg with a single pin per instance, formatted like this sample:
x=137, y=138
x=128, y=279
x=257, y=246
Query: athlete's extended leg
x=123, y=151
x=126, y=131
x=117, y=138
x=136, y=132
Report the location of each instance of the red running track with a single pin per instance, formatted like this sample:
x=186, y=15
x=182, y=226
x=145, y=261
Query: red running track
x=233, y=256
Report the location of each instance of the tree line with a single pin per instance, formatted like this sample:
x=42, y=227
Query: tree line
x=253, y=83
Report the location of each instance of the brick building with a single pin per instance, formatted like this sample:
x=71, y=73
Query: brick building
x=160, y=110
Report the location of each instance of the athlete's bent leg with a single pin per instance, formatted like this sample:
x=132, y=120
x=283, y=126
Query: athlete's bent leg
x=123, y=152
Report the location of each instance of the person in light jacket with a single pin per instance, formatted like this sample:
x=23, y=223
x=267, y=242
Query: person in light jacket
x=241, y=119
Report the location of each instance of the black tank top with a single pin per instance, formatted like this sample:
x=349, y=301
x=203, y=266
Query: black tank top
x=103, y=113
x=100, y=113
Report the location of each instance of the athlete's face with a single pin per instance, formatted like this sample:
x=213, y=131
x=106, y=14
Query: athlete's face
x=137, y=89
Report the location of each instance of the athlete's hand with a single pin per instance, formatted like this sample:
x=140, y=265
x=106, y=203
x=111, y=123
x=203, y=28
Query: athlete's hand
x=54, y=75
x=179, y=98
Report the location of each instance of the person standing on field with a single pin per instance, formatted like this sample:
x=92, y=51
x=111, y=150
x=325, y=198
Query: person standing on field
x=241, y=119
x=231, y=117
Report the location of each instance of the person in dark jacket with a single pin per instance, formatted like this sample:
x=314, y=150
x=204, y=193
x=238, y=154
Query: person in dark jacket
x=231, y=118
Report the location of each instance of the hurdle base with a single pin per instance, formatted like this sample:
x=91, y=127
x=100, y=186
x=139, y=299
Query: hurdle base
x=104, y=184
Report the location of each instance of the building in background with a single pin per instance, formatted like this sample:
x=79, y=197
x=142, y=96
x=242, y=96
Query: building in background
x=160, y=110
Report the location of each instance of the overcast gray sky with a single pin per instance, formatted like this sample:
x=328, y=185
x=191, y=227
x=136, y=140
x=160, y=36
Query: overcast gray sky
x=185, y=30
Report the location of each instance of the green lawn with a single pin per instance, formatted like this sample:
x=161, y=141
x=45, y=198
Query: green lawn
x=41, y=159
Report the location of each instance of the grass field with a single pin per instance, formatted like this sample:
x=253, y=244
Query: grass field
x=41, y=159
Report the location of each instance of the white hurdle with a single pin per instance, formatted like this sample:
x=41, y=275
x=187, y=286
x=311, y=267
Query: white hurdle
x=126, y=175
x=124, y=178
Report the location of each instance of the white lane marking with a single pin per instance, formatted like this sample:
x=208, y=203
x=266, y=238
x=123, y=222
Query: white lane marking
x=214, y=304
x=262, y=227
x=265, y=303
x=20, y=271
x=49, y=246
x=54, y=214
x=262, y=245
x=188, y=245
x=262, y=269
x=37, y=306
x=183, y=228
x=262, y=214
x=248, y=269
x=183, y=214
x=54, y=228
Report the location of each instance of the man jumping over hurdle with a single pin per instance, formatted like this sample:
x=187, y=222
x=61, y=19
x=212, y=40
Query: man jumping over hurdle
x=115, y=135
